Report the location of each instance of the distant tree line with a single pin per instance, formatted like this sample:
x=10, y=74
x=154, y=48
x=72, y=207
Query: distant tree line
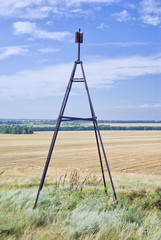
x=101, y=127
x=16, y=129
x=130, y=121
x=27, y=121
x=23, y=129
x=52, y=122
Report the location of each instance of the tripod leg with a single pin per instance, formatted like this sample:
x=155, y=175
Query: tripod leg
x=94, y=123
x=56, y=132
x=106, y=162
x=97, y=129
x=48, y=160
x=99, y=153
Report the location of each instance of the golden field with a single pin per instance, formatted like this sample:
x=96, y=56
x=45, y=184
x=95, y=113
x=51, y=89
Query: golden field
x=129, y=153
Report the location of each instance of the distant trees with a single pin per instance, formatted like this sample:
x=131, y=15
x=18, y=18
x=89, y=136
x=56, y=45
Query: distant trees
x=30, y=126
x=101, y=127
x=16, y=129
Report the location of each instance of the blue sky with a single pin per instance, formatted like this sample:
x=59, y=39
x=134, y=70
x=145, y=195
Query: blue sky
x=121, y=54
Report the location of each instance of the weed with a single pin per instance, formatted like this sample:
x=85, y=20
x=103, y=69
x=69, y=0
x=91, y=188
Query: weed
x=72, y=209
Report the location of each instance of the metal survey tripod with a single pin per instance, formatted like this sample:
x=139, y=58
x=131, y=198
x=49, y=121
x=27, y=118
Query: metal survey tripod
x=93, y=118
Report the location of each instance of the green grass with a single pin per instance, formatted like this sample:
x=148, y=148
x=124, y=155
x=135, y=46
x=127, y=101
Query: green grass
x=80, y=210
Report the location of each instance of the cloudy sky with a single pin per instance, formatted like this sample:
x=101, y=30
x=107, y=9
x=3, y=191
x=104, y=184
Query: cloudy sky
x=121, y=54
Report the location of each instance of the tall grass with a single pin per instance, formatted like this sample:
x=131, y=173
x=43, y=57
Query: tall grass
x=75, y=208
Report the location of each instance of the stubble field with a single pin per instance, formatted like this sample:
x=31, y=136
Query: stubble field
x=129, y=153
x=73, y=206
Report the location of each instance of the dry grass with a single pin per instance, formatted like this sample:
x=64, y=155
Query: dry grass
x=129, y=153
x=80, y=212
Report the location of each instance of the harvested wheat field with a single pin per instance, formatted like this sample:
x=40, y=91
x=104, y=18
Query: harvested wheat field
x=129, y=153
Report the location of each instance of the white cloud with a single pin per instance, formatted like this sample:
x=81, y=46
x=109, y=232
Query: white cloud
x=24, y=27
x=38, y=9
x=77, y=11
x=151, y=20
x=49, y=50
x=123, y=44
x=37, y=13
x=121, y=69
x=101, y=26
x=122, y=16
x=131, y=5
x=6, y=52
x=73, y=2
x=151, y=12
x=141, y=106
x=47, y=81
x=32, y=29
x=98, y=8
x=18, y=8
x=52, y=80
x=49, y=23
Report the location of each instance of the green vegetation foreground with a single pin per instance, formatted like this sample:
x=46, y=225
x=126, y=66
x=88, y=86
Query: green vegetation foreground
x=79, y=209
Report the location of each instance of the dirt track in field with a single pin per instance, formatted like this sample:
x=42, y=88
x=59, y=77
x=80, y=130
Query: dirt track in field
x=129, y=153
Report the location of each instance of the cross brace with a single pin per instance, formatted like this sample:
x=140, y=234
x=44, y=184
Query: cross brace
x=65, y=118
x=76, y=119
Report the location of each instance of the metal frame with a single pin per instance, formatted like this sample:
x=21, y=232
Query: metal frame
x=61, y=118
